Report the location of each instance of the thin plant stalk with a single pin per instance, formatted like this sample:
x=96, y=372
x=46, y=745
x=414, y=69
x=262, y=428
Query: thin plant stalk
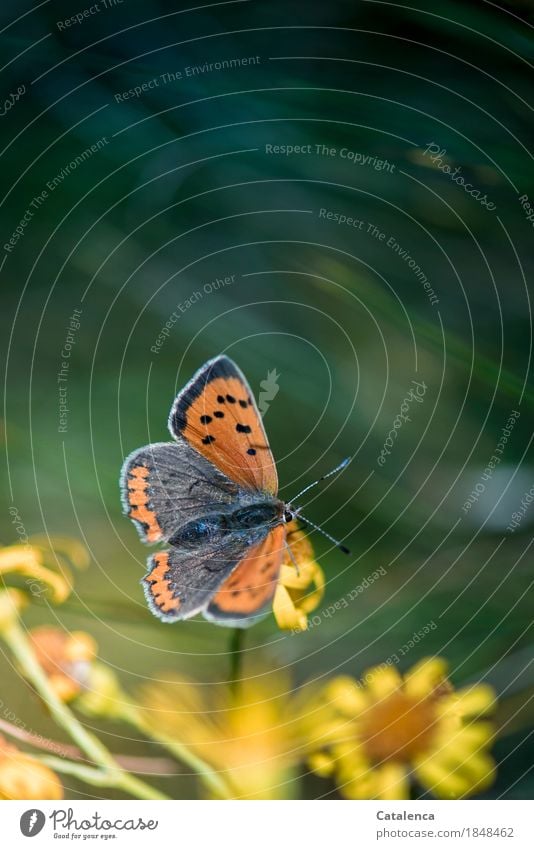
x=236, y=657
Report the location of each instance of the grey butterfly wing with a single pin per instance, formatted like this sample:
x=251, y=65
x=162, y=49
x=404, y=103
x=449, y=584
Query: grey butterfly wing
x=167, y=484
x=180, y=582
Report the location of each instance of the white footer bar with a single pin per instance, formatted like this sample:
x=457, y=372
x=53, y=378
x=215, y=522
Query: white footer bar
x=268, y=825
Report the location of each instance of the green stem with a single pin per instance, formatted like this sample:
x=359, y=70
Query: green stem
x=128, y=762
x=236, y=657
x=207, y=774
x=17, y=641
x=89, y=774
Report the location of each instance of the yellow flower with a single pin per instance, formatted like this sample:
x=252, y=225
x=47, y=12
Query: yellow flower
x=66, y=657
x=102, y=695
x=252, y=735
x=398, y=727
x=301, y=586
x=23, y=777
x=29, y=561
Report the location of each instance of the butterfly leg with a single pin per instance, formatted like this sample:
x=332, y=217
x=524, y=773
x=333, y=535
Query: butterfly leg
x=295, y=564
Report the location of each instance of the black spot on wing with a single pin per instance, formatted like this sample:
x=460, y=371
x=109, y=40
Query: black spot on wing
x=220, y=367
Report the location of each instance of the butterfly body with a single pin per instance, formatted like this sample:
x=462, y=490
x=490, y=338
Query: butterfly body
x=251, y=523
x=211, y=495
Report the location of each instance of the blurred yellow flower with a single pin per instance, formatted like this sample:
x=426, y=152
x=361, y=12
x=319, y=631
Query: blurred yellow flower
x=23, y=777
x=66, y=658
x=251, y=735
x=398, y=727
x=63, y=549
x=29, y=560
x=103, y=695
x=301, y=583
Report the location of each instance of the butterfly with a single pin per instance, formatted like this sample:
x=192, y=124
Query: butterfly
x=211, y=495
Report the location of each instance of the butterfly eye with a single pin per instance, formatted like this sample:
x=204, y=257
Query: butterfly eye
x=288, y=516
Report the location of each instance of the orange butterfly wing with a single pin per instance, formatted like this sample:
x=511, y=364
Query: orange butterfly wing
x=252, y=584
x=217, y=415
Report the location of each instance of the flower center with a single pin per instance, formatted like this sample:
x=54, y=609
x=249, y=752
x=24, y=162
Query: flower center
x=398, y=728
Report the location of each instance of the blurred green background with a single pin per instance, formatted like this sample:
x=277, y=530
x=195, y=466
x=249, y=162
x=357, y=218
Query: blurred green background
x=184, y=191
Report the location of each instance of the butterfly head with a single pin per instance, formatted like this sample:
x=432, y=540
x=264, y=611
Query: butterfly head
x=290, y=514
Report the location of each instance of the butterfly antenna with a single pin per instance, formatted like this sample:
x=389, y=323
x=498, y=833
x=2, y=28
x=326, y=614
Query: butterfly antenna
x=336, y=542
x=337, y=469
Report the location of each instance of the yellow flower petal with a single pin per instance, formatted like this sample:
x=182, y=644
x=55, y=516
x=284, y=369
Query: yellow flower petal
x=479, y=769
x=26, y=560
x=300, y=545
x=320, y=732
x=23, y=777
x=15, y=558
x=382, y=680
x=345, y=695
x=76, y=552
x=297, y=594
x=391, y=781
x=65, y=688
x=26, y=778
x=461, y=743
x=321, y=764
x=64, y=655
x=287, y=615
x=81, y=647
x=300, y=580
x=439, y=779
x=425, y=676
x=361, y=786
x=310, y=600
x=474, y=701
